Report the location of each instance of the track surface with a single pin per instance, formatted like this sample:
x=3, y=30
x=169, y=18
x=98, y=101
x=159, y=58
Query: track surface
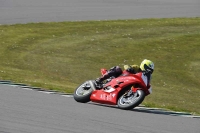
x=25, y=11
x=30, y=111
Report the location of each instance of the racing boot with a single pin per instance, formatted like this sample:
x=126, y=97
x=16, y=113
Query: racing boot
x=98, y=84
x=99, y=81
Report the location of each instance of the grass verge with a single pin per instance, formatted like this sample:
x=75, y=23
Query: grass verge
x=61, y=55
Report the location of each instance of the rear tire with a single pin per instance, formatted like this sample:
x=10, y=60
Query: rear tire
x=131, y=101
x=83, y=92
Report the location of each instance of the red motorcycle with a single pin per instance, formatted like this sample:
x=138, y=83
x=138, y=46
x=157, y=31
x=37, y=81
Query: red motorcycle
x=127, y=91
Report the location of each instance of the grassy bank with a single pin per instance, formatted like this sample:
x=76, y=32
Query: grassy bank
x=60, y=56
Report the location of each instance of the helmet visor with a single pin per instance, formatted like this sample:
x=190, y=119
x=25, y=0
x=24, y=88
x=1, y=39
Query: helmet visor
x=148, y=69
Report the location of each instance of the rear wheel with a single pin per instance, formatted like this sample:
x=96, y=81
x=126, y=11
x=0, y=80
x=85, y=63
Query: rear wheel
x=130, y=99
x=83, y=92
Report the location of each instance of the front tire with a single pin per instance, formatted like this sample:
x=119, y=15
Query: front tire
x=131, y=100
x=83, y=92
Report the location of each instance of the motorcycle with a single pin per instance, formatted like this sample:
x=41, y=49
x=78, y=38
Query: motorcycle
x=126, y=91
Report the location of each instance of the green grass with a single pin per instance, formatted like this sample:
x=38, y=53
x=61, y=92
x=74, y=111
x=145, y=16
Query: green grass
x=62, y=55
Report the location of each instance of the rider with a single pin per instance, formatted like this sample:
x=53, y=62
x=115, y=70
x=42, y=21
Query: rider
x=146, y=67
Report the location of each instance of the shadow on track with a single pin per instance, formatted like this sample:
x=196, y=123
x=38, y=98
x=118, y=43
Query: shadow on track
x=143, y=109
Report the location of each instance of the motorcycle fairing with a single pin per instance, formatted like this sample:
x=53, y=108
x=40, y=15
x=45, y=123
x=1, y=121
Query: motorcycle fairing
x=109, y=94
x=101, y=96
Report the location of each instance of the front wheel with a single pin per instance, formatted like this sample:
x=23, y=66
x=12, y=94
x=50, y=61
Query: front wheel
x=130, y=99
x=83, y=92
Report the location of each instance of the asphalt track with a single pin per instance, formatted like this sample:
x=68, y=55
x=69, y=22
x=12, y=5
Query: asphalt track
x=25, y=110
x=26, y=11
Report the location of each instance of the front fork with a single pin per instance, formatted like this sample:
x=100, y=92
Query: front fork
x=131, y=92
x=134, y=89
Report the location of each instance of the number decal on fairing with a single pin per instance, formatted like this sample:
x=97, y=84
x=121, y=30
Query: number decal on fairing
x=107, y=97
